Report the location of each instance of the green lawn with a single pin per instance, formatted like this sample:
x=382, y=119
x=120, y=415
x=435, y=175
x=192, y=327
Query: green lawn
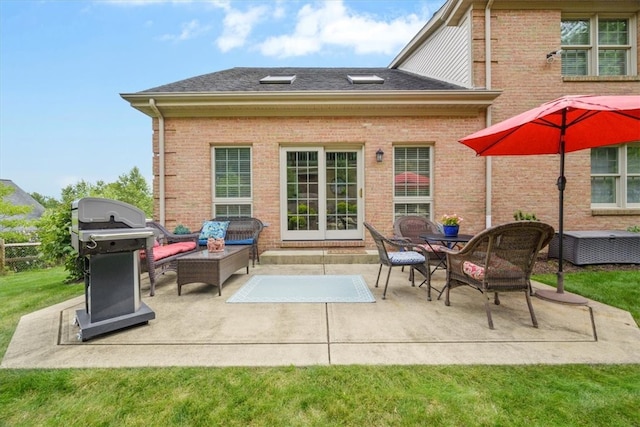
x=567, y=395
x=616, y=288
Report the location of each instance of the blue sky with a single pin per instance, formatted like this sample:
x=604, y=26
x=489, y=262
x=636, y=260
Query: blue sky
x=64, y=64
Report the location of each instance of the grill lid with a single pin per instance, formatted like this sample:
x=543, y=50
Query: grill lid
x=95, y=212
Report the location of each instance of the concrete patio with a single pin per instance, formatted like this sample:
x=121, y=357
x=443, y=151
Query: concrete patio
x=200, y=329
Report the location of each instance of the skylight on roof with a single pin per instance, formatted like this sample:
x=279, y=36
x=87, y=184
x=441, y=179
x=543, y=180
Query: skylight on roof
x=287, y=80
x=365, y=79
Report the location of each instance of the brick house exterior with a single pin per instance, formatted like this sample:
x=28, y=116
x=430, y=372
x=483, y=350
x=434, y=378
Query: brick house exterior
x=438, y=89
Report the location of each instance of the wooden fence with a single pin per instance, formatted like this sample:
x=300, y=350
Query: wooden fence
x=15, y=255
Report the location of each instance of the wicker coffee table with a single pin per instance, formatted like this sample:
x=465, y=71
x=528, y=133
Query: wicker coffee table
x=213, y=268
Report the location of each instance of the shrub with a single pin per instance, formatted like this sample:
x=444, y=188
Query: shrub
x=181, y=229
x=524, y=216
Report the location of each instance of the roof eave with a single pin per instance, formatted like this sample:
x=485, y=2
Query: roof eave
x=308, y=103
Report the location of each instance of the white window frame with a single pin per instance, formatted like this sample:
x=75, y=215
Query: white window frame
x=407, y=200
x=593, y=48
x=620, y=181
x=230, y=200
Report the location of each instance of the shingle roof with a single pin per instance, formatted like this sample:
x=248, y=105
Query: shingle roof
x=242, y=79
x=21, y=198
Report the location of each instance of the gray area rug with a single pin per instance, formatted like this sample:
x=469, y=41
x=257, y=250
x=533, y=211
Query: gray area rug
x=305, y=289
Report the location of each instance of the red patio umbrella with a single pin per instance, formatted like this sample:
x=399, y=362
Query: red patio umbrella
x=561, y=126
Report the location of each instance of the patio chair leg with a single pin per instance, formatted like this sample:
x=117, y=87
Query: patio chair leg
x=533, y=315
x=384, y=294
x=447, y=288
x=379, y=271
x=427, y=280
x=487, y=306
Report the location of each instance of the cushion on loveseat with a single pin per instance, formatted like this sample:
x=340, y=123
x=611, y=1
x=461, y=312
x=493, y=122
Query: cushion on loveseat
x=215, y=229
x=239, y=242
x=160, y=252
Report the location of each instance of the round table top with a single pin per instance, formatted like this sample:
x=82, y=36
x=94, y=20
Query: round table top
x=449, y=239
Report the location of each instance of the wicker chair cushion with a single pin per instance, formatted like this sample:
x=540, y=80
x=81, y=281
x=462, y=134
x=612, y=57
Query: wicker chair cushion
x=215, y=229
x=432, y=248
x=405, y=258
x=476, y=271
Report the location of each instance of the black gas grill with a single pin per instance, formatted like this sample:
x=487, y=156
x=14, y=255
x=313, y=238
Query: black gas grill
x=108, y=235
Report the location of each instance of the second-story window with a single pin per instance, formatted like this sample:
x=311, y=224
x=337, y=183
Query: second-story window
x=596, y=46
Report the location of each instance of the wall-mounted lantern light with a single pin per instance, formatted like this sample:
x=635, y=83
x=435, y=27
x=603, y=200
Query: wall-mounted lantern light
x=379, y=155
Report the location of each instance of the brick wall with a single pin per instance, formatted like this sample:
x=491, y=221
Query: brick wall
x=520, y=42
x=188, y=145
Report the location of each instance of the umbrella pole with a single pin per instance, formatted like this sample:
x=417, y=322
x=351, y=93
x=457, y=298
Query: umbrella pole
x=559, y=295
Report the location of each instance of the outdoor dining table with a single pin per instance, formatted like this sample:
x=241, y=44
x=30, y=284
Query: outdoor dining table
x=448, y=241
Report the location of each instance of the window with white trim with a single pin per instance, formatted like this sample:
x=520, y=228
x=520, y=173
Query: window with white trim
x=232, y=191
x=412, y=183
x=597, y=45
x=615, y=176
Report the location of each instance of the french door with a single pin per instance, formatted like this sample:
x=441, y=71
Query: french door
x=321, y=194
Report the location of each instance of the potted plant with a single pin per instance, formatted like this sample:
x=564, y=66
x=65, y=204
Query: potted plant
x=451, y=224
x=298, y=220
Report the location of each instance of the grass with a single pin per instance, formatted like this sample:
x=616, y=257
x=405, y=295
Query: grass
x=616, y=288
x=565, y=395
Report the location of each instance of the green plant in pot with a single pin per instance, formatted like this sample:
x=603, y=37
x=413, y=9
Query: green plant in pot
x=299, y=221
x=451, y=224
x=181, y=229
x=346, y=208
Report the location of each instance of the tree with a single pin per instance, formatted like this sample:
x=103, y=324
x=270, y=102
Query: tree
x=54, y=226
x=131, y=188
x=46, y=201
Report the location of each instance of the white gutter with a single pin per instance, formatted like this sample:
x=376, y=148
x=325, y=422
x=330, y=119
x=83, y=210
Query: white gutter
x=487, y=74
x=161, y=184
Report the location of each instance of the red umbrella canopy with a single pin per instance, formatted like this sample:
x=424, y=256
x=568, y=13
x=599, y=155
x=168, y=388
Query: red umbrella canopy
x=584, y=121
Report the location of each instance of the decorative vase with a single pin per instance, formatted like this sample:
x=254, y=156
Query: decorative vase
x=451, y=230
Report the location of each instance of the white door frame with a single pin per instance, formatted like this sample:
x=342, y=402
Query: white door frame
x=322, y=233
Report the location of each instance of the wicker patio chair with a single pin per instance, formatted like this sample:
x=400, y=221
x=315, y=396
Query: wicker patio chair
x=399, y=252
x=499, y=259
x=411, y=227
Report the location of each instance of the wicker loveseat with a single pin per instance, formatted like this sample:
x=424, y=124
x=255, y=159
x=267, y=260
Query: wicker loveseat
x=169, y=247
x=241, y=231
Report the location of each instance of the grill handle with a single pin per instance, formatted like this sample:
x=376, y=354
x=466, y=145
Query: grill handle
x=117, y=236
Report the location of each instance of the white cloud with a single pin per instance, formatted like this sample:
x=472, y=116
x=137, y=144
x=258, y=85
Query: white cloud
x=141, y=2
x=332, y=24
x=238, y=25
x=319, y=26
x=190, y=30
